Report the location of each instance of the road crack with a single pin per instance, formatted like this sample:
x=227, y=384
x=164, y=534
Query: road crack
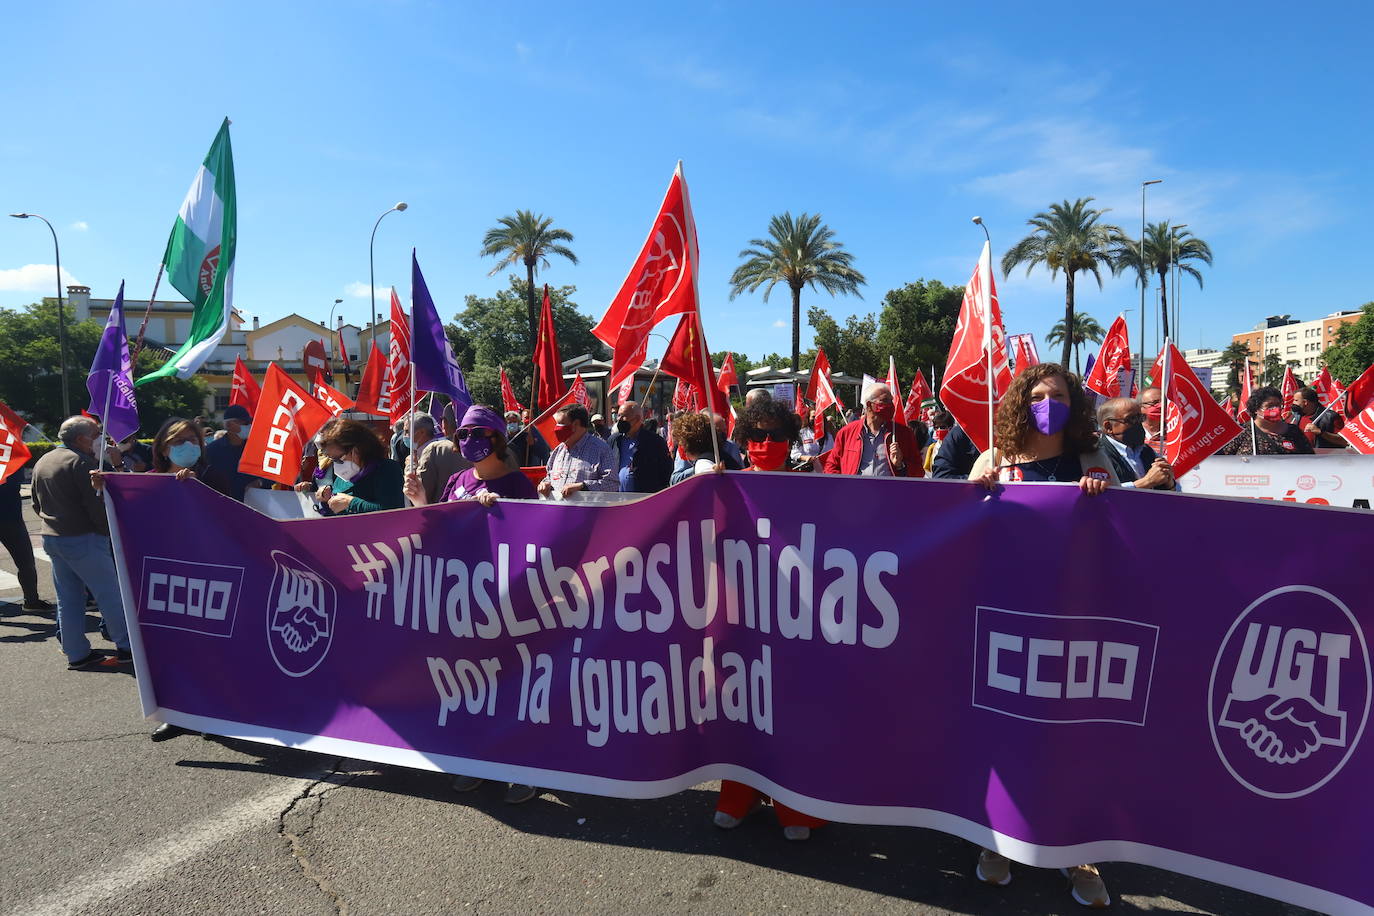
x=293, y=838
x=55, y=741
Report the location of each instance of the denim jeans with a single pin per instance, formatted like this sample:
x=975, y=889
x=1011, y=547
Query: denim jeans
x=82, y=561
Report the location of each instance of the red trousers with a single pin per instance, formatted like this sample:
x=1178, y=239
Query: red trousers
x=736, y=799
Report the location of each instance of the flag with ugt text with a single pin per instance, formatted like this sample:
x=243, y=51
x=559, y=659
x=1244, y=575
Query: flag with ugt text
x=1328, y=389
x=288, y=419
x=244, y=388
x=1024, y=352
x=966, y=390
x=1289, y=389
x=660, y=284
x=372, y=390
x=548, y=363
x=627, y=390
x=200, y=258
x=1195, y=425
x=333, y=400
x=111, y=380
x=920, y=393
x=509, y=402
x=398, y=380
x=685, y=358
x=1359, y=410
x=14, y=454
x=431, y=357
x=1114, y=359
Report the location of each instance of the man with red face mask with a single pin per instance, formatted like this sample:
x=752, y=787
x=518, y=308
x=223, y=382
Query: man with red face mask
x=875, y=445
x=1269, y=432
x=581, y=460
x=1149, y=406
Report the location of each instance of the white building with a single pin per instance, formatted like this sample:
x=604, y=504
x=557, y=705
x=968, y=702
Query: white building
x=1205, y=358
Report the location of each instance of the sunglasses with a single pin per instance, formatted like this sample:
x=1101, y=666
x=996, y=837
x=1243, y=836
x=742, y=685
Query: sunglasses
x=480, y=432
x=1135, y=418
x=772, y=435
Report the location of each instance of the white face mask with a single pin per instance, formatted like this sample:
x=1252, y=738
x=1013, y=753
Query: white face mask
x=345, y=469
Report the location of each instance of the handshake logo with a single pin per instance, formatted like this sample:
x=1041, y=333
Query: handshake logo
x=300, y=617
x=1290, y=692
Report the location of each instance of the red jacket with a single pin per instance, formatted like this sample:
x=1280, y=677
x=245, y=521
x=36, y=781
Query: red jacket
x=849, y=447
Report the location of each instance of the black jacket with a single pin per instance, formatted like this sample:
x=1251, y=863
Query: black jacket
x=955, y=458
x=651, y=466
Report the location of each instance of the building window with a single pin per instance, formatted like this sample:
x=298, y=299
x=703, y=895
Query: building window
x=1292, y=349
x=221, y=401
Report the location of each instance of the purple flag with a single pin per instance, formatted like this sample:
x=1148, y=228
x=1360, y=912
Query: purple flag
x=111, y=380
x=430, y=353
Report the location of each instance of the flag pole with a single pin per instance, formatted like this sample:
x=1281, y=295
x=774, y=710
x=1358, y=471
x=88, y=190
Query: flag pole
x=138, y=344
x=105, y=417
x=708, y=369
x=1164, y=400
x=986, y=283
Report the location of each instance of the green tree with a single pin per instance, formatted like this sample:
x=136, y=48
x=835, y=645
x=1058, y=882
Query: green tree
x=1066, y=237
x=1234, y=357
x=852, y=347
x=798, y=252
x=1272, y=373
x=490, y=333
x=1352, y=352
x=31, y=382
x=1163, y=249
x=1085, y=330
x=916, y=325
x=526, y=239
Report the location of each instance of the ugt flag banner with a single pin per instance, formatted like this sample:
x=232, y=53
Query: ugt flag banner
x=979, y=347
x=111, y=382
x=200, y=258
x=14, y=454
x=857, y=673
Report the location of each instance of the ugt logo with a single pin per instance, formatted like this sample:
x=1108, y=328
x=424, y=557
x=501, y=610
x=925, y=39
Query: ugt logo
x=1290, y=692
x=301, y=616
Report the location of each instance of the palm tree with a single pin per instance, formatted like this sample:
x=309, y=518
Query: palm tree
x=799, y=252
x=1067, y=237
x=1234, y=358
x=529, y=239
x=1085, y=330
x=1163, y=249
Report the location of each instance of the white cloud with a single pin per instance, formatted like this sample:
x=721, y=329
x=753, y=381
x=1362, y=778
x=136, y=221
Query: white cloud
x=523, y=51
x=779, y=323
x=359, y=290
x=34, y=278
x=81, y=225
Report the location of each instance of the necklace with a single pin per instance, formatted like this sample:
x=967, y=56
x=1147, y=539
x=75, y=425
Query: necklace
x=1049, y=472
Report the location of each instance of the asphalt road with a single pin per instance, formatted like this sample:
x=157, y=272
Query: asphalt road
x=98, y=819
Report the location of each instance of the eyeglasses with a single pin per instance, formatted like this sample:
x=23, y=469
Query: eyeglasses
x=772, y=435
x=480, y=432
x=1135, y=418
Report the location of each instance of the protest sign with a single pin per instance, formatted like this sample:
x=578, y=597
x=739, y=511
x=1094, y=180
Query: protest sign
x=1330, y=479
x=916, y=674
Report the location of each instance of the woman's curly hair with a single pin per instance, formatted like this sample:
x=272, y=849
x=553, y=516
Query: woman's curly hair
x=781, y=413
x=1013, y=414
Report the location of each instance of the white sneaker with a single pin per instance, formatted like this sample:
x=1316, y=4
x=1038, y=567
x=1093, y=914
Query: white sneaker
x=1087, y=886
x=797, y=832
x=726, y=821
x=993, y=868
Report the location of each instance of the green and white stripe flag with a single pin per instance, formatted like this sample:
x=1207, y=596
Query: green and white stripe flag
x=200, y=258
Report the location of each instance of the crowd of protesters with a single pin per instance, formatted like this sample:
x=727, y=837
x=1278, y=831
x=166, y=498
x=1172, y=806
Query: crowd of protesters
x=1046, y=430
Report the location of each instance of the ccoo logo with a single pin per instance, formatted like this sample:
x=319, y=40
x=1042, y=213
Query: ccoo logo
x=301, y=616
x=1290, y=692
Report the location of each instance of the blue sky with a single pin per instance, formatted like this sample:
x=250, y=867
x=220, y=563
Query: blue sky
x=896, y=123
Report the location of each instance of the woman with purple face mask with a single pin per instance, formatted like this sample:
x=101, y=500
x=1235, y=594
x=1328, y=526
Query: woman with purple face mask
x=481, y=438
x=1044, y=433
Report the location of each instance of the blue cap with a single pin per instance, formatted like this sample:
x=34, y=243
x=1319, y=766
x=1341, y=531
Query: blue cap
x=238, y=412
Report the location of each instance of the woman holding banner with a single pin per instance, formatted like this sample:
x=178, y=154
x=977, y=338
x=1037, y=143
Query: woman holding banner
x=767, y=430
x=365, y=479
x=179, y=448
x=1044, y=433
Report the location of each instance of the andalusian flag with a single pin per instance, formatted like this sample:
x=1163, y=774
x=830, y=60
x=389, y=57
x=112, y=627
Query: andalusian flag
x=200, y=258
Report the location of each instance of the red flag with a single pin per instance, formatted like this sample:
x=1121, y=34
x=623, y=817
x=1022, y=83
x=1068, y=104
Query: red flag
x=336, y=402
x=1290, y=388
x=1358, y=406
x=579, y=392
x=398, y=362
x=820, y=391
x=545, y=421
x=343, y=350
x=14, y=454
x=727, y=378
x=372, y=390
x=661, y=283
x=316, y=363
x=920, y=393
x=1023, y=351
x=1247, y=385
x=1112, y=360
x=244, y=389
x=627, y=390
x=289, y=419
x=964, y=390
x=509, y=401
x=1227, y=406
x=1196, y=426
x=547, y=361
x=895, y=387
x=1327, y=388
x=681, y=395
x=683, y=358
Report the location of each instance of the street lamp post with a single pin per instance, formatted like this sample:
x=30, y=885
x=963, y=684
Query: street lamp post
x=1140, y=252
x=334, y=335
x=371, y=270
x=61, y=316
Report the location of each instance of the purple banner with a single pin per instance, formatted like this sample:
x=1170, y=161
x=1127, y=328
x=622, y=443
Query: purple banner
x=1065, y=678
